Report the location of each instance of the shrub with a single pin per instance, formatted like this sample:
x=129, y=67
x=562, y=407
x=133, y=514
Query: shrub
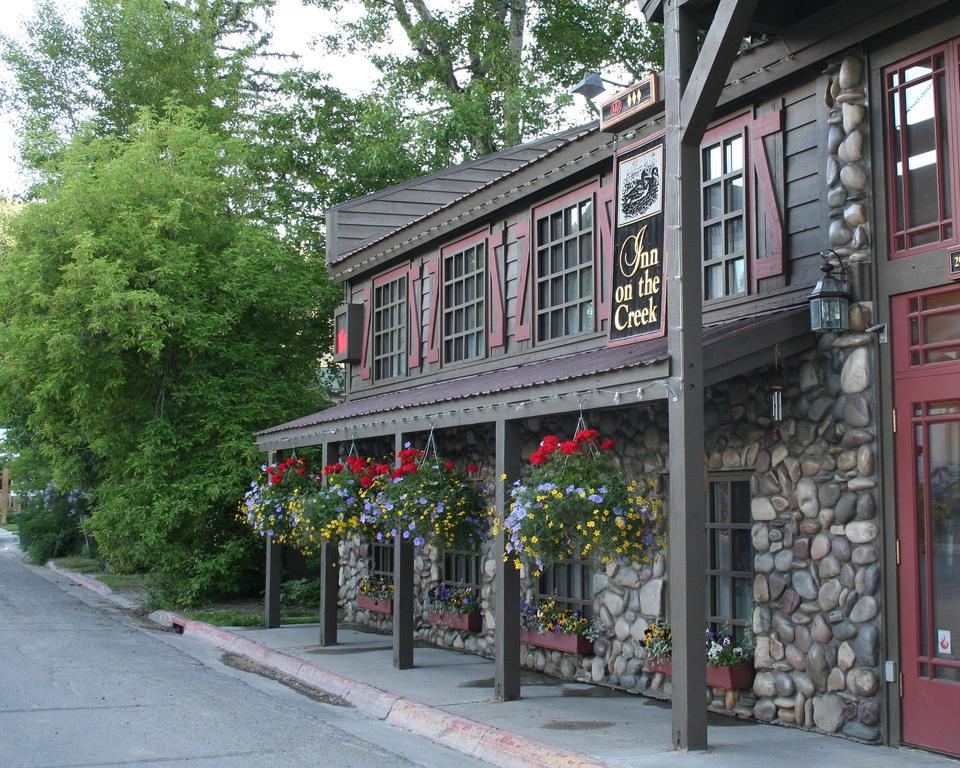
x=50, y=525
x=300, y=592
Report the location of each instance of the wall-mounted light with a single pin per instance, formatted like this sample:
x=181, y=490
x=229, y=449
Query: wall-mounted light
x=830, y=299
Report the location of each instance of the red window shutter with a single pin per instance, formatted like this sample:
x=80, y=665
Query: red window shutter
x=413, y=315
x=605, y=218
x=366, y=298
x=495, y=334
x=771, y=263
x=523, y=237
x=433, y=348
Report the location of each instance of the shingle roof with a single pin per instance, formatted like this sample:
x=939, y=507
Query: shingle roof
x=358, y=223
x=525, y=376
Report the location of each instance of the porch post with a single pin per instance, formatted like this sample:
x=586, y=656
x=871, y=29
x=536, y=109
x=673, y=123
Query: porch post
x=329, y=578
x=402, y=591
x=271, y=591
x=692, y=86
x=507, y=577
x=4, y=494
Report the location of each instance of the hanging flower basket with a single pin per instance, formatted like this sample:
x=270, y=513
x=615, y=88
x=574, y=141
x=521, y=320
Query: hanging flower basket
x=575, y=500
x=465, y=622
x=557, y=641
x=372, y=604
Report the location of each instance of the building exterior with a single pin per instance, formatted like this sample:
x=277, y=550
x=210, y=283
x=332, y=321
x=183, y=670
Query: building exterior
x=502, y=299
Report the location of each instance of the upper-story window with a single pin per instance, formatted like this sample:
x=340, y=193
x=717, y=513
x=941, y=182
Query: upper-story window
x=464, y=303
x=921, y=112
x=565, y=266
x=724, y=218
x=390, y=328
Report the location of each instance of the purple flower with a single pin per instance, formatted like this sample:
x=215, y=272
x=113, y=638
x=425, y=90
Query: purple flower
x=379, y=536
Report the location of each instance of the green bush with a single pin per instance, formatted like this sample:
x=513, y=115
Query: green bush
x=300, y=592
x=50, y=526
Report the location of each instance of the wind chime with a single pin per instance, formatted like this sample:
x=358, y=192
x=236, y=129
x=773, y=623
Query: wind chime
x=777, y=385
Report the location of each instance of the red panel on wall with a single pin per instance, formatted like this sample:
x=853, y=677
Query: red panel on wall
x=770, y=264
x=495, y=336
x=365, y=298
x=523, y=236
x=433, y=349
x=413, y=313
x=605, y=217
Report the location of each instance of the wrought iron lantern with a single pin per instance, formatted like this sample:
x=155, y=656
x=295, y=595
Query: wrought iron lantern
x=830, y=300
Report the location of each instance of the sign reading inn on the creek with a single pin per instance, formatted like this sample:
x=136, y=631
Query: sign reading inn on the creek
x=639, y=277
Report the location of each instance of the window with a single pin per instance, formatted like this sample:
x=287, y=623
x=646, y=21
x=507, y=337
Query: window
x=464, y=304
x=461, y=568
x=919, y=156
x=569, y=582
x=381, y=561
x=935, y=328
x=390, y=329
x=729, y=557
x=724, y=219
x=565, y=268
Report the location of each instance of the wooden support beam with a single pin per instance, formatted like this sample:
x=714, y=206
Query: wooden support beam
x=687, y=602
x=271, y=589
x=329, y=576
x=402, y=588
x=402, y=603
x=507, y=577
x=4, y=495
x=709, y=74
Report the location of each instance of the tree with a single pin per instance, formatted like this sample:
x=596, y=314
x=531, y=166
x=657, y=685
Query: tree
x=149, y=325
x=490, y=73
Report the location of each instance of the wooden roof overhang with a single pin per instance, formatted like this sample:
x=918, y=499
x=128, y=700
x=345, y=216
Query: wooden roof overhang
x=559, y=385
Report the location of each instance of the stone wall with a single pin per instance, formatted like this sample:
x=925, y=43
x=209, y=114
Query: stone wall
x=815, y=537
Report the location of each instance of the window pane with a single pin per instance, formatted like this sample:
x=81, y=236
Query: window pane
x=712, y=162
x=713, y=242
x=556, y=226
x=573, y=320
x=734, y=189
x=586, y=282
x=922, y=162
x=742, y=550
x=740, y=502
x=571, y=257
x=737, y=275
x=586, y=214
x=572, y=221
x=712, y=202
x=733, y=155
x=713, y=281
x=556, y=258
x=734, y=228
x=543, y=230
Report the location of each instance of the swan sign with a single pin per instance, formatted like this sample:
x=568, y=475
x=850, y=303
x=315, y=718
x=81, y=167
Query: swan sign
x=638, y=256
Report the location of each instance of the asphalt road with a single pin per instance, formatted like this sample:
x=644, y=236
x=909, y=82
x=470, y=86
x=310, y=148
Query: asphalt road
x=85, y=684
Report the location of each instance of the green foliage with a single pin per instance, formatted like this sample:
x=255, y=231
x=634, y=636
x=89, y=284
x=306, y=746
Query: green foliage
x=300, y=592
x=49, y=528
x=548, y=615
x=149, y=326
x=488, y=73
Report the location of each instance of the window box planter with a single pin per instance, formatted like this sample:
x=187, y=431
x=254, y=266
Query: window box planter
x=557, y=641
x=465, y=622
x=372, y=604
x=734, y=678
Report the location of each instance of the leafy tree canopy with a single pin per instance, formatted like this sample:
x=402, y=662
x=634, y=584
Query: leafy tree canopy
x=490, y=73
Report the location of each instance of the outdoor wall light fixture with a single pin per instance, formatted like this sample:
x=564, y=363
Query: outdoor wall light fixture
x=830, y=299
x=592, y=86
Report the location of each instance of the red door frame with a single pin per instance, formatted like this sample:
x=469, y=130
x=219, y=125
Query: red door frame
x=929, y=706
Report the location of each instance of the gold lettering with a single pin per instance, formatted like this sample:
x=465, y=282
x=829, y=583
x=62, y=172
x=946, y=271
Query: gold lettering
x=634, y=257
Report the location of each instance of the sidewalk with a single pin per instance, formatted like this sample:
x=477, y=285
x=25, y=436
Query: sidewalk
x=448, y=697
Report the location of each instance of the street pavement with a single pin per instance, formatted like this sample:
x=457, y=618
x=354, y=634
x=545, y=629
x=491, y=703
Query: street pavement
x=83, y=683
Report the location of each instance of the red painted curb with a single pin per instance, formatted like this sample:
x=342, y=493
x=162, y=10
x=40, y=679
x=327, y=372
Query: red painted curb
x=89, y=582
x=484, y=742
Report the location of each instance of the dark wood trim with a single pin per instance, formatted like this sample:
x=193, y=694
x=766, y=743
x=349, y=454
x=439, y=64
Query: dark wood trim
x=433, y=346
x=507, y=577
x=496, y=334
x=366, y=298
x=522, y=231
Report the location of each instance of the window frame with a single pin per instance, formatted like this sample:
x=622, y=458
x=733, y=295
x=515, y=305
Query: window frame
x=583, y=570
x=950, y=49
x=713, y=619
x=478, y=240
x=720, y=135
x=401, y=276
x=381, y=560
x=582, y=194
x=470, y=560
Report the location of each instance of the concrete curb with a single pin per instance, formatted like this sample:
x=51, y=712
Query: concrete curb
x=483, y=742
x=93, y=584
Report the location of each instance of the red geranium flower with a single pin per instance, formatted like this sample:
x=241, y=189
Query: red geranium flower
x=448, y=466
x=549, y=443
x=538, y=457
x=301, y=471
x=383, y=469
x=276, y=478
x=365, y=481
x=587, y=436
x=569, y=447
x=332, y=469
x=472, y=468
x=607, y=444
